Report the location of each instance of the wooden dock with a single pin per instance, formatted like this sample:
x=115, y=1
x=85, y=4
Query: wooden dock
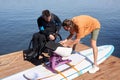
x=13, y=63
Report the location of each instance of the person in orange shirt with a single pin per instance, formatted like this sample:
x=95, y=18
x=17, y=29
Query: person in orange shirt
x=81, y=26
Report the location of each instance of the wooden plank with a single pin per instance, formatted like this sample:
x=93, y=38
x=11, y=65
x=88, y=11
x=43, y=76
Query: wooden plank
x=109, y=70
x=13, y=63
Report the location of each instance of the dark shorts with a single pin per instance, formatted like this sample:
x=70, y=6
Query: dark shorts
x=94, y=34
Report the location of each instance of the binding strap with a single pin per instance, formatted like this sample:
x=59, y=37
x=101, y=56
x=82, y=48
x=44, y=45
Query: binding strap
x=59, y=72
x=72, y=66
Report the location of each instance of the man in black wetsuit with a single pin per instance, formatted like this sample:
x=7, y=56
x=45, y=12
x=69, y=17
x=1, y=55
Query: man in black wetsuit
x=48, y=24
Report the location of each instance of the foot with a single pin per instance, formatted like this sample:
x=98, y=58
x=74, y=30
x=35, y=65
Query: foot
x=94, y=69
x=45, y=59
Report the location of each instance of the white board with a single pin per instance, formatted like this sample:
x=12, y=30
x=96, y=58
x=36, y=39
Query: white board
x=81, y=63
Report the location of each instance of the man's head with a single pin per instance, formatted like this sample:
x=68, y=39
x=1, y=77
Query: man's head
x=46, y=15
x=67, y=24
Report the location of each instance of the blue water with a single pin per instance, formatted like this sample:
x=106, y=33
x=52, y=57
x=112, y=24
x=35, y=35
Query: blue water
x=18, y=20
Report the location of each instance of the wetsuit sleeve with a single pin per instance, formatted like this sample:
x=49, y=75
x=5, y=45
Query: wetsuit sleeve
x=42, y=29
x=39, y=22
x=58, y=22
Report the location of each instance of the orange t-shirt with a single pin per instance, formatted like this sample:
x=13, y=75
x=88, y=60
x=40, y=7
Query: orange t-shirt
x=84, y=25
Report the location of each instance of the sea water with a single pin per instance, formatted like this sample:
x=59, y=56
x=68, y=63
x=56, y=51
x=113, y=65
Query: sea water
x=18, y=20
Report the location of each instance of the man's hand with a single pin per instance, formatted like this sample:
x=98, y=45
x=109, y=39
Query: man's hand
x=51, y=37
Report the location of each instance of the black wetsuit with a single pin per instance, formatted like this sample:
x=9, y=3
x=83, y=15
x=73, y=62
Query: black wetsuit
x=45, y=29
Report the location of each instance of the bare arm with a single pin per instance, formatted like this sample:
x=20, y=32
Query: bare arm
x=70, y=36
x=76, y=41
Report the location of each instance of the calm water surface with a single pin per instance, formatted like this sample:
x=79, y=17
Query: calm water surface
x=18, y=20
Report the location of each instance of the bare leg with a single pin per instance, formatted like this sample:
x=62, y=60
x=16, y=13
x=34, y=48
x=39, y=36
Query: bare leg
x=95, y=50
x=95, y=67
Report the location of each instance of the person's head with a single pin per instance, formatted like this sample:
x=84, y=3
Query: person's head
x=46, y=15
x=67, y=24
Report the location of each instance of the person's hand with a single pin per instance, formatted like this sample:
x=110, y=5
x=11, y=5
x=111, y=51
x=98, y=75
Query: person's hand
x=51, y=37
x=76, y=41
x=63, y=42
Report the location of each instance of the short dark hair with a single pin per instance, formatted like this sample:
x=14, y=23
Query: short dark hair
x=67, y=22
x=46, y=13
